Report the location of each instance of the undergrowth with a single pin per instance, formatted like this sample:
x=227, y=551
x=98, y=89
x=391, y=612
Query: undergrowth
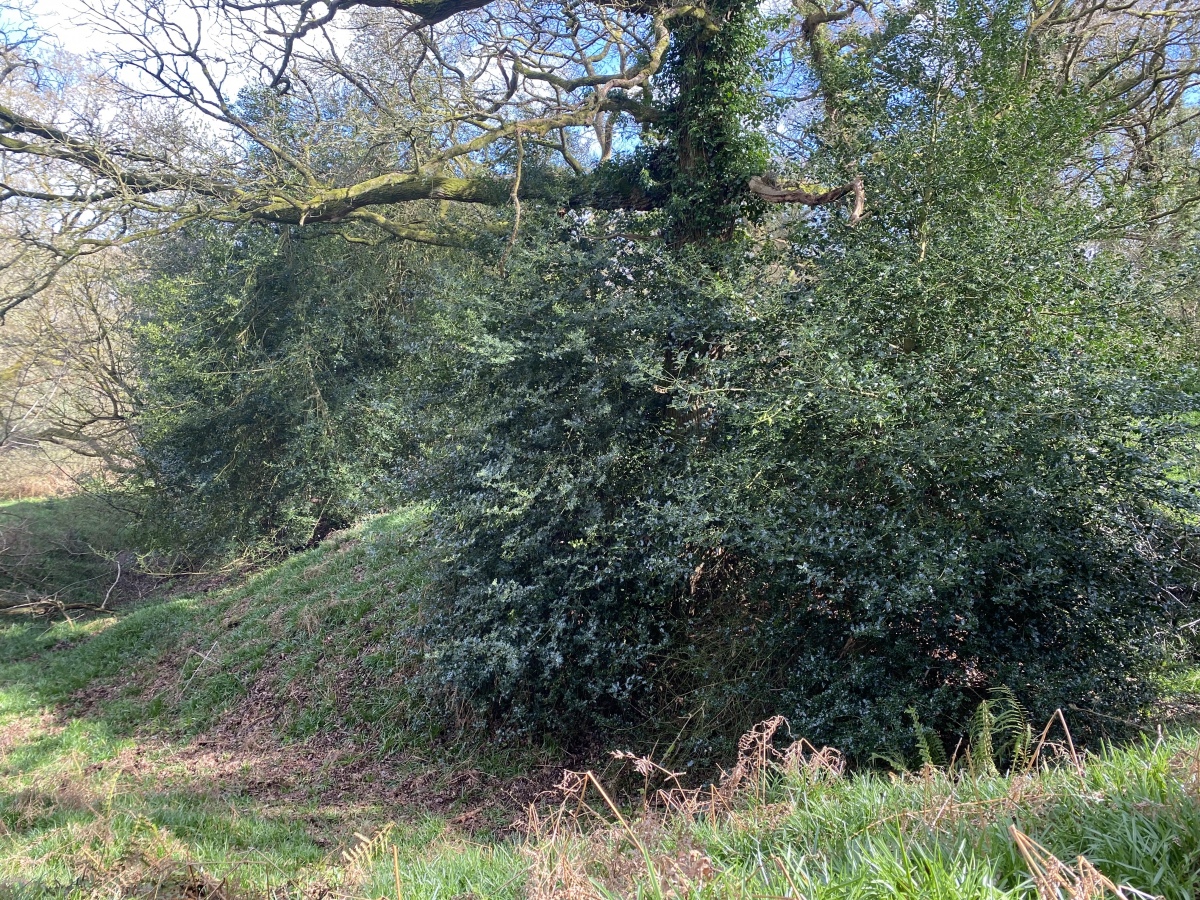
x=793, y=823
x=254, y=738
x=788, y=823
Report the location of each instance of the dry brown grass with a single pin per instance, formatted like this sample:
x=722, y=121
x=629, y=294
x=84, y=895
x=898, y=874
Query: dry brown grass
x=587, y=848
x=1055, y=880
x=1186, y=766
x=153, y=865
x=571, y=858
x=358, y=859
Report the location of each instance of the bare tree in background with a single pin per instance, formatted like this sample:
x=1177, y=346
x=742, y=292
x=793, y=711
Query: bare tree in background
x=65, y=381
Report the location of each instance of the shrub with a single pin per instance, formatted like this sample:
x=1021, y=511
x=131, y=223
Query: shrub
x=272, y=404
x=838, y=476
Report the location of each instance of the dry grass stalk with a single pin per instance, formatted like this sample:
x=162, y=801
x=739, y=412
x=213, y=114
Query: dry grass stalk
x=570, y=862
x=1055, y=880
x=1186, y=765
x=823, y=764
x=560, y=849
x=757, y=758
x=756, y=750
x=557, y=855
x=567, y=857
x=1065, y=751
x=648, y=768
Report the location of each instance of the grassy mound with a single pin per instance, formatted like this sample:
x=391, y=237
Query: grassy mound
x=254, y=737
x=244, y=725
x=311, y=636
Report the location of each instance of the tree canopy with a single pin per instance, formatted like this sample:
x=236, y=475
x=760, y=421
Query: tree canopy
x=396, y=118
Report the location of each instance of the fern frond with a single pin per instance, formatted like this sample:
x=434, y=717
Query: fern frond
x=1014, y=723
x=928, y=745
x=368, y=849
x=892, y=758
x=981, y=749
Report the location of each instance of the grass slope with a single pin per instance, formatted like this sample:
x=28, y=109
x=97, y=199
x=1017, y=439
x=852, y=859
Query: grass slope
x=258, y=739
x=248, y=731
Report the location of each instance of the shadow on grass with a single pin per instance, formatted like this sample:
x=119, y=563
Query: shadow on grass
x=100, y=796
x=249, y=732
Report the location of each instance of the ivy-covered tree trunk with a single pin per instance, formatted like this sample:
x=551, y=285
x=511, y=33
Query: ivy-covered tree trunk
x=712, y=145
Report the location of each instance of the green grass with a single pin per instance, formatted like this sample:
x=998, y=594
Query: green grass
x=312, y=623
x=63, y=547
x=798, y=831
x=311, y=640
x=319, y=633
x=110, y=786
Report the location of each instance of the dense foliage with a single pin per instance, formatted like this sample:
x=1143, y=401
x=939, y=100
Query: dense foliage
x=272, y=401
x=840, y=473
x=860, y=475
x=749, y=496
